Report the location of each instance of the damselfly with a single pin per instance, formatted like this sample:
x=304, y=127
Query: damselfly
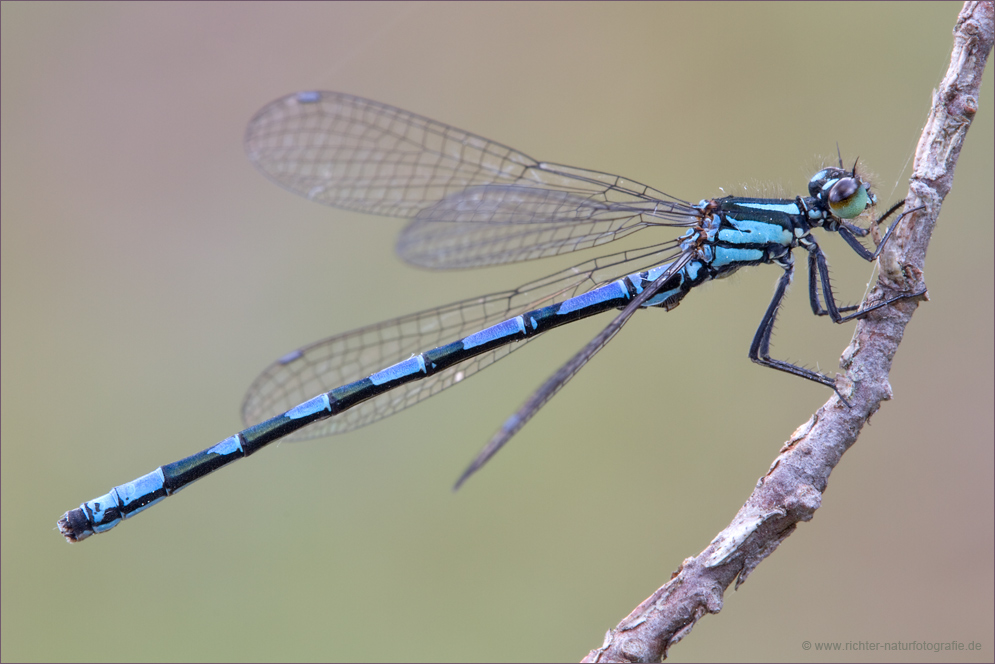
x=474, y=202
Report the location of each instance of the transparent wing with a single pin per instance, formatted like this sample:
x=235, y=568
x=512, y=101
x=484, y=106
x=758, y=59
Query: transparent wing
x=361, y=155
x=495, y=224
x=348, y=357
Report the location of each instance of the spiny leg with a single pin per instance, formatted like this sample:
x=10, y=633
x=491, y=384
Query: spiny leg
x=819, y=266
x=849, y=232
x=760, y=348
x=813, y=288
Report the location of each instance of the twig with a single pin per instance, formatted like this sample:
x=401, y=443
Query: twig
x=792, y=489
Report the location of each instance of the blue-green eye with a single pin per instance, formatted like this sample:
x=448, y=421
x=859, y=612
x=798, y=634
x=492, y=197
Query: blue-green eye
x=848, y=198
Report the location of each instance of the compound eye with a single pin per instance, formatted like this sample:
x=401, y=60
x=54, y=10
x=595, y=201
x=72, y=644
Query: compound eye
x=848, y=198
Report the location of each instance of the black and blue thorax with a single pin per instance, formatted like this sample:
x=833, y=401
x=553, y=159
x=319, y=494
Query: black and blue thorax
x=735, y=232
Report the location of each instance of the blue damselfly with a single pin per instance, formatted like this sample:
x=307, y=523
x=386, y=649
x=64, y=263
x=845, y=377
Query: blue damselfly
x=474, y=202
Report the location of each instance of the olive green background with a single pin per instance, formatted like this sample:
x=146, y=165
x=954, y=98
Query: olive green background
x=149, y=273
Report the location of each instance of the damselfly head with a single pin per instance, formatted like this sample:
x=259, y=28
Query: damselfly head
x=844, y=192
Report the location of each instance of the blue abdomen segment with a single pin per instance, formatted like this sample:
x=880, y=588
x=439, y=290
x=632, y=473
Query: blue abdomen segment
x=121, y=502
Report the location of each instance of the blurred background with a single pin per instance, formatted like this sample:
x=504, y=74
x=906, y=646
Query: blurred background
x=149, y=274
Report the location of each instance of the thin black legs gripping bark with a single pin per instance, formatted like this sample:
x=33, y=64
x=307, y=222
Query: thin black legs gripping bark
x=760, y=348
x=818, y=272
x=818, y=269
